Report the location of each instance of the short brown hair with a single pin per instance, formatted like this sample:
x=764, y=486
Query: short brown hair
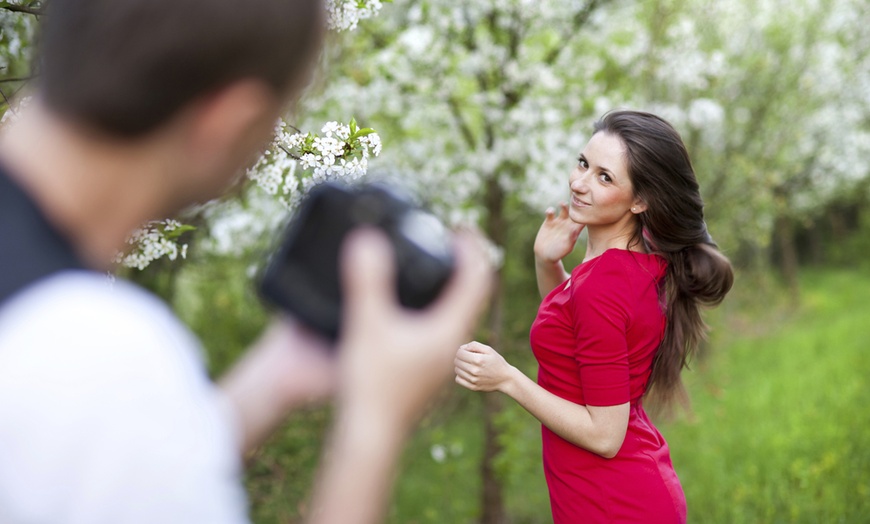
x=127, y=66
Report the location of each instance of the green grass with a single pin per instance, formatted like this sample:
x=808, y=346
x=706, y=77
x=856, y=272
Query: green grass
x=781, y=431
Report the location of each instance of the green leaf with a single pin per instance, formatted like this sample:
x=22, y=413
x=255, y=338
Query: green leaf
x=177, y=232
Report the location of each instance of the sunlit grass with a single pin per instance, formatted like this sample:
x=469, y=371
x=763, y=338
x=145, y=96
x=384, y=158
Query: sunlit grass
x=781, y=431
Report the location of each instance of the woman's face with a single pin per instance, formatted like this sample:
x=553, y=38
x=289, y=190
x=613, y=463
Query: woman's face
x=601, y=190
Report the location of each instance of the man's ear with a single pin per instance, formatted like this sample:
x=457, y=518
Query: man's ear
x=228, y=126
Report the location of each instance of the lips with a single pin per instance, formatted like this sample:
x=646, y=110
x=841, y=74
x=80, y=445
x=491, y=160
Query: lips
x=579, y=203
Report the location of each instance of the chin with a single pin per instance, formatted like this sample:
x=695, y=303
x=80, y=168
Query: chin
x=576, y=216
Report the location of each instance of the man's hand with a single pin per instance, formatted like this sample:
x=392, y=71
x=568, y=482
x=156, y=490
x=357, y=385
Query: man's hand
x=288, y=367
x=393, y=359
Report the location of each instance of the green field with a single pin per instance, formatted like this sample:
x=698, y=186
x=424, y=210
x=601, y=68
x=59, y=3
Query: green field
x=780, y=430
x=779, y=433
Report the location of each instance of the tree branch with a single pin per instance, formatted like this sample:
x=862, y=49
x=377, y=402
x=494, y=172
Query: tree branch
x=466, y=131
x=16, y=79
x=579, y=20
x=18, y=8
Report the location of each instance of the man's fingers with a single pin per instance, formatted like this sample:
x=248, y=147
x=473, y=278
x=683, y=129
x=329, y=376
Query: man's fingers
x=368, y=275
x=466, y=293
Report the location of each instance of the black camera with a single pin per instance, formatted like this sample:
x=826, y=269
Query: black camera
x=302, y=276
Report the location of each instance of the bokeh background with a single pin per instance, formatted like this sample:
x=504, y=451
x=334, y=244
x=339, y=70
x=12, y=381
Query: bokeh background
x=482, y=108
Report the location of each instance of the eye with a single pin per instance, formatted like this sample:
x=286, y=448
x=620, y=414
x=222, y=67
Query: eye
x=604, y=177
x=582, y=162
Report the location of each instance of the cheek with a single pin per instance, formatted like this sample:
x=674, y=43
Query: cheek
x=616, y=199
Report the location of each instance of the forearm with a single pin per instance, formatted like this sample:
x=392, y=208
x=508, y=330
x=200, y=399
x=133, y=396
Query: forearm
x=600, y=430
x=257, y=409
x=284, y=370
x=356, y=475
x=549, y=275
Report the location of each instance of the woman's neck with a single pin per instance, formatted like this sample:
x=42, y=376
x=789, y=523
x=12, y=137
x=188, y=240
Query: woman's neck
x=600, y=240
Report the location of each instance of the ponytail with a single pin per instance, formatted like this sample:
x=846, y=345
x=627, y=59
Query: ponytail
x=672, y=226
x=698, y=276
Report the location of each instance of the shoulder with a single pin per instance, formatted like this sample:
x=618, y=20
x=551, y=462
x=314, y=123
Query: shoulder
x=623, y=265
x=615, y=264
x=616, y=276
x=81, y=325
x=89, y=289
x=98, y=377
x=85, y=301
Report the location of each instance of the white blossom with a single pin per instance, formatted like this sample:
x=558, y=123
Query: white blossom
x=342, y=152
x=344, y=15
x=152, y=241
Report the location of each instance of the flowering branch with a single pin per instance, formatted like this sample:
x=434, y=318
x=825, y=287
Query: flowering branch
x=345, y=14
x=339, y=151
x=154, y=240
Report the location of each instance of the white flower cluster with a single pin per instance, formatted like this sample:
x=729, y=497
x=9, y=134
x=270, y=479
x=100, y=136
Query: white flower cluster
x=344, y=15
x=339, y=151
x=152, y=241
x=275, y=173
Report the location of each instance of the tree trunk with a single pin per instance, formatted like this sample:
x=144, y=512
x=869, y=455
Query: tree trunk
x=493, y=511
x=788, y=258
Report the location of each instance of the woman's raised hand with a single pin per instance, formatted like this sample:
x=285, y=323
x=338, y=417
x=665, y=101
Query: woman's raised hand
x=557, y=236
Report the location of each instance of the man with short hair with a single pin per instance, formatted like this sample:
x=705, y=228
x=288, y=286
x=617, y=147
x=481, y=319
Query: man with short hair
x=140, y=108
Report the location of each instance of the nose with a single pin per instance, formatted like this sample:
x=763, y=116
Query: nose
x=578, y=182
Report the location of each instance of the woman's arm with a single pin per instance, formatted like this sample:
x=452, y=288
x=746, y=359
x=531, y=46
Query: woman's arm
x=599, y=429
x=549, y=275
x=555, y=239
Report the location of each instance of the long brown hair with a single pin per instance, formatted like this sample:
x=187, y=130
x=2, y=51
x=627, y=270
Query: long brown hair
x=672, y=226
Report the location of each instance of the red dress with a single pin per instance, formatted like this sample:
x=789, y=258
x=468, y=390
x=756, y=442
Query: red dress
x=595, y=337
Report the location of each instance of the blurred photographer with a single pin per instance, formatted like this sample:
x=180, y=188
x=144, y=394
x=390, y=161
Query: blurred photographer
x=140, y=108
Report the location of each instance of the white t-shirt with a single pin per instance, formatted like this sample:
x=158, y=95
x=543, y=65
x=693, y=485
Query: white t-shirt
x=107, y=414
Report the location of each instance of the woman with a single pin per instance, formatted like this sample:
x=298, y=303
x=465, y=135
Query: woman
x=620, y=327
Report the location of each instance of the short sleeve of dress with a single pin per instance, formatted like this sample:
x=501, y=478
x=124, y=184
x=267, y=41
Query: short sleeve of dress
x=601, y=320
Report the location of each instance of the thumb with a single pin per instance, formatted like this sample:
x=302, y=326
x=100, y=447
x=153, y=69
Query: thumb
x=368, y=275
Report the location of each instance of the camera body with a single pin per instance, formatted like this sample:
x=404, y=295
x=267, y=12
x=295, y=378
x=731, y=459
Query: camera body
x=302, y=276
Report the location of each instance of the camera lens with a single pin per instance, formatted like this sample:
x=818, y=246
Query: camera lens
x=426, y=232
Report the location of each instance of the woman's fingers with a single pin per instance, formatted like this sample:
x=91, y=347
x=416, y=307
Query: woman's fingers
x=476, y=347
